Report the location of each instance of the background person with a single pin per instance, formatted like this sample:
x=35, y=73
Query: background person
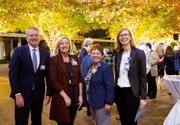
x=152, y=59
x=99, y=82
x=27, y=69
x=87, y=60
x=160, y=51
x=169, y=60
x=176, y=60
x=108, y=58
x=84, y=50
x=66, y=81
x=130, y=77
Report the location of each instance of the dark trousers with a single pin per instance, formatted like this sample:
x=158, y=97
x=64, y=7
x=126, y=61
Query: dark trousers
x=127, y=105
x=176, y=73
x=22, y=114
x=152, y=86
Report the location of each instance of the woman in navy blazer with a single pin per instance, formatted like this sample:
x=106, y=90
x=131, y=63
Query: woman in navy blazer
x=130, y=78
x=99, y=81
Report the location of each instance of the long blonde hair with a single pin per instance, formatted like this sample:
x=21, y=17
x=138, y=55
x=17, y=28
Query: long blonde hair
x=118, y=45
x=57, y=51
x=160, y=49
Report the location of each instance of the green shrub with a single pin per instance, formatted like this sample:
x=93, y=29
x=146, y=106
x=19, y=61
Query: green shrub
x=3, y=61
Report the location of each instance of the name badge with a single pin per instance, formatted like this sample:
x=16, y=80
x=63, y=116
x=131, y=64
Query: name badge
x=74, y=62
x=42, y=67
x=126, y=66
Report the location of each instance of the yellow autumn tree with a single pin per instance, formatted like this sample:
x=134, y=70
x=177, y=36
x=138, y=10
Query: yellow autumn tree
x=149, y=20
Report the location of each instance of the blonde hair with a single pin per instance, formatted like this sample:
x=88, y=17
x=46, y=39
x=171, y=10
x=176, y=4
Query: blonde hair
x=160, y=49
x=58, y=41
x=118, y=45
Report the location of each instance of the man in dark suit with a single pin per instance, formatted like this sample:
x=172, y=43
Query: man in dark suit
x=27, y=69
x=84, y=52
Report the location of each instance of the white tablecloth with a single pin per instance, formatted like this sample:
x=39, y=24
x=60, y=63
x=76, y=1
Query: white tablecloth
x=173, y=84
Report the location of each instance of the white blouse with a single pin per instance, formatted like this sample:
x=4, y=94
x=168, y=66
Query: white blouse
x=123, y=80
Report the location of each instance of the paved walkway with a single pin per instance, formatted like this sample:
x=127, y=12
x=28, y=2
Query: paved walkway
x=154, y=113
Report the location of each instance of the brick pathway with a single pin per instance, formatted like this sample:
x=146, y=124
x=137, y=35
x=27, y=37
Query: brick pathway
x=154, y=113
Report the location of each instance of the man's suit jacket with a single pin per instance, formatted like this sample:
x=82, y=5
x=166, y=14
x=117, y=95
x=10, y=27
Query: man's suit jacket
x=82, y=54
x=101, y=87
x=136, y=73
x=22, y=76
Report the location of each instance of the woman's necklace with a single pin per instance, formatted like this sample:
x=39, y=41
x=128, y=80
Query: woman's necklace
x=94, y=68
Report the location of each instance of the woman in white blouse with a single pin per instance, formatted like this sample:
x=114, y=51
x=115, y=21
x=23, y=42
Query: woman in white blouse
x=130, y=78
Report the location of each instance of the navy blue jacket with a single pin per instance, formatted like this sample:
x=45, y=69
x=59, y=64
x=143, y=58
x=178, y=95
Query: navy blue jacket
x=82, y=54
x=101, y=87
x=22, y=76
x=85, y=63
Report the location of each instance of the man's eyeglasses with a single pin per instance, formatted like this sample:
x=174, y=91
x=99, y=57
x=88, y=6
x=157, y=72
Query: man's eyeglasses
x=125, y=35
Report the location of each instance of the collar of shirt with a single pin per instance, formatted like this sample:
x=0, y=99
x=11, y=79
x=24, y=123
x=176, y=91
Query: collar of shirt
x=85, y=48
x=37, y=54
x=31, y=48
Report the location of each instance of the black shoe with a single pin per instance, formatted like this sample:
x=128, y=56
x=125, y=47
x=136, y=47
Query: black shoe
x=88, y=113
x=152, y=97
x=118, y=118
x=169, y=93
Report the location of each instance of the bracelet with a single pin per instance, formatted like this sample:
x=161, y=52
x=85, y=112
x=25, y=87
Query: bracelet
x=80, y=93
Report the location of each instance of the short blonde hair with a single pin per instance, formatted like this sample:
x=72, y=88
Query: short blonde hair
x=58, y=41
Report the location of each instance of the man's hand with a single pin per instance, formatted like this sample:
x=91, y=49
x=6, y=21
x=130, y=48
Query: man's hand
x=46, y=100
x=19, y=101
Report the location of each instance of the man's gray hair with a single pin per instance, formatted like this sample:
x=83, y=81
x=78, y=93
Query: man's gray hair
x=176, y=48
x=87, y=41
x=30, y=29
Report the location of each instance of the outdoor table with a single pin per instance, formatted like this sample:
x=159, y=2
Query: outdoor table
x=173, y=84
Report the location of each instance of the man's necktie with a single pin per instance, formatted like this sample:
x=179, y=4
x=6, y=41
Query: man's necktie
x=34, y=60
